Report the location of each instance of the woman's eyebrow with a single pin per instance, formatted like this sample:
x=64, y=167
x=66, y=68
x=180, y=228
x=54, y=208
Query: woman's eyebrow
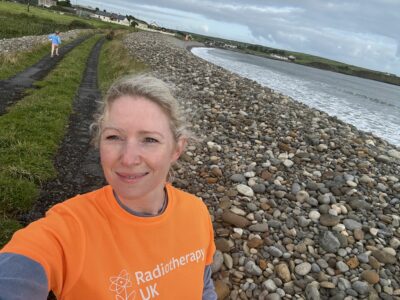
x=144, y=132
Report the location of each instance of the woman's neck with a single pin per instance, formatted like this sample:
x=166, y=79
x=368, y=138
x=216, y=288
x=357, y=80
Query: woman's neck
x=145, y=207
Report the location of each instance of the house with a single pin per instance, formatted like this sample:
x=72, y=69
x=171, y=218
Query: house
x=111, y=17
x=47, y=3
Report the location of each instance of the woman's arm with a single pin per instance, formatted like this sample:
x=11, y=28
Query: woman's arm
x=208, y=290
x=21, y=278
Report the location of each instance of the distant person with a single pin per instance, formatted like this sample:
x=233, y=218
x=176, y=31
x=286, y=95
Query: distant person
x=55, y=42
x=136, y=238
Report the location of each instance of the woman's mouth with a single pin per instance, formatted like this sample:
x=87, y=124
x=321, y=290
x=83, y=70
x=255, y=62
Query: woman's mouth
x=131, y=178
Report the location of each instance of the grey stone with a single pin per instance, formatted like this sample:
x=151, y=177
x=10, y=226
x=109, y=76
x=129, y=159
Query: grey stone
x=352, y=224
x=329, y=242
x=303, y=269
x=360, y=287
x=238, y=178
x=312, y=292
x=252, y=268
x=274, y=251
x=260, y=227
x=217, y=261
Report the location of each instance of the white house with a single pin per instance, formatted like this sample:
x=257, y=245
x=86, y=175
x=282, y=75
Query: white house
x=111, y=17
x=47, y=3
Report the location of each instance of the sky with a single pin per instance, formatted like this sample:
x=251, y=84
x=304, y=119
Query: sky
x=364, y=33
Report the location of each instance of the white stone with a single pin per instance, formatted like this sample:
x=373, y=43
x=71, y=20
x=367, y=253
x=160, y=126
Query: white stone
x=288, y=163
x=373, y=231
x=351, y=183
x=314, y=215
x=390, y=251
x=238, y=211
x=249, y=174
x=245, y=190
x=238, y=231
x=394, y=153
x=339, y=227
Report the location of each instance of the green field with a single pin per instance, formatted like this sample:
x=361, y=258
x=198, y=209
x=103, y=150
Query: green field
x=16, y=21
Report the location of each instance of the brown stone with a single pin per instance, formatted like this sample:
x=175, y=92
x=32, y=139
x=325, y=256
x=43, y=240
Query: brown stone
x=370, y=276
x=353, y=262
x=222, y=289
x=374, y=263
x=358, y=234
x=234, y=219
x=255, y=243
x=216, y=172
x=283, y=272
x=222, y=245
x=263, y=264
x=384, y=257
x=284, y=147
x=211, y=180
x=265, y=206
x=231, y=193
x=224, y=203
x=266, y=175
x=329, y=220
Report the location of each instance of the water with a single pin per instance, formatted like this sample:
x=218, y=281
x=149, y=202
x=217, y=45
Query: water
x=369, y=105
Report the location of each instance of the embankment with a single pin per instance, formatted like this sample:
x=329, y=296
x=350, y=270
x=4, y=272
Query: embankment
x=302, y=204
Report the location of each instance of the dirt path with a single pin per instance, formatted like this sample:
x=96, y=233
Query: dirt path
x=77, y=162
x=12, y=89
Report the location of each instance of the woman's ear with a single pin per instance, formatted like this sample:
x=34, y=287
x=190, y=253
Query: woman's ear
x=180, y=147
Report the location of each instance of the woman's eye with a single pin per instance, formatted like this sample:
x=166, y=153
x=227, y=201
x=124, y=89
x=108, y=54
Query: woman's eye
x=112, y=137
x=150, y=140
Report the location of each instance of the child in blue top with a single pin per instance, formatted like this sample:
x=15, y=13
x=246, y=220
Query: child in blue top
x=55, y=42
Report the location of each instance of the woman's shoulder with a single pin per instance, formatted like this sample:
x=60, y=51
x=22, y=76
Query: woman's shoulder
x=186, y=198
x=81, y=203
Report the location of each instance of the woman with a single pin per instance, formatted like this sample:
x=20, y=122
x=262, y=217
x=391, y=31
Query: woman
x=138, y=237
x=55, y=43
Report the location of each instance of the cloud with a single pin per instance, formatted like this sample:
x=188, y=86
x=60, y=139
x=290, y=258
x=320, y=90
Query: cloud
x=346, y=30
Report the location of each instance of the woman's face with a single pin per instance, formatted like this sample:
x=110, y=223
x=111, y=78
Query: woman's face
x=137, y=148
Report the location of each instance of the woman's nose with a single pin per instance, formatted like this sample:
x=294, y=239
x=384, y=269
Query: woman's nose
x=130, y=154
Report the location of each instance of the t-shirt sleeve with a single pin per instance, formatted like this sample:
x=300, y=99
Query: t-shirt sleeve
x=56, y=242
x=21, y=278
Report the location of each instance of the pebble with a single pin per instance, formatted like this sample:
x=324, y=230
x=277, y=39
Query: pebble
x=329, y=242
x=370, y=276
x=329, y=220
x=245, y=190
x=351, y=224
x=283, y=272
x=303, y=268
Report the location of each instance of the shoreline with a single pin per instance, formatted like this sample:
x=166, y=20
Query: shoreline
x=301, y=202
x=365, y=131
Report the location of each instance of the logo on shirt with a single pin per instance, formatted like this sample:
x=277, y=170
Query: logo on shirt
x=143, y=284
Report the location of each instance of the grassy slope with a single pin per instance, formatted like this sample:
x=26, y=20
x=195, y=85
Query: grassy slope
x=15, y=21
x=115, y=61
x=30, y=134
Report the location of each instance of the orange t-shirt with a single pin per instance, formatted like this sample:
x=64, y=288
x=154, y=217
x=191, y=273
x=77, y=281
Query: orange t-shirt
x=91, y=248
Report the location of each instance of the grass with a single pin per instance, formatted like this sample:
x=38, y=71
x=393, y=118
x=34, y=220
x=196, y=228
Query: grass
x=30, y=133
x=13, y=63
x=15, y=21
x=115, y=61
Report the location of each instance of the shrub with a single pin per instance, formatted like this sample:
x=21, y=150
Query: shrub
x=75, y=24
x=110, y=35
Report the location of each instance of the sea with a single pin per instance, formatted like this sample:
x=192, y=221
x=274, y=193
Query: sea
x=369, y=105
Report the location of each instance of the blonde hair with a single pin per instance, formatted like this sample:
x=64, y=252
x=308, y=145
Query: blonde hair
x=148, y=87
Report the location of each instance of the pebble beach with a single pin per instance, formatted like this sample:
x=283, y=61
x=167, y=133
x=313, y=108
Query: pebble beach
x=304, y=206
